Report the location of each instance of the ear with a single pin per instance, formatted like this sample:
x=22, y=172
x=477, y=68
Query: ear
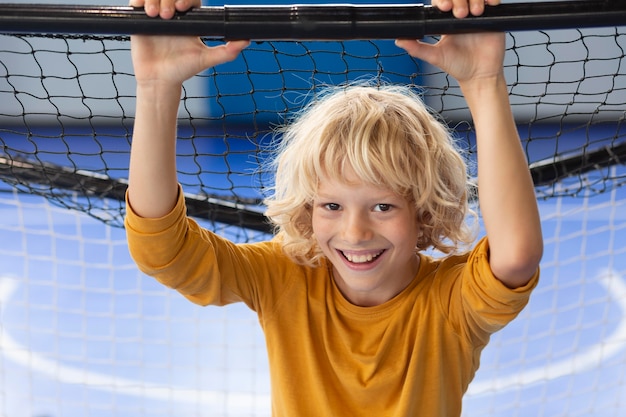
x=423, y=217
x=424, y=239
x=304, y=221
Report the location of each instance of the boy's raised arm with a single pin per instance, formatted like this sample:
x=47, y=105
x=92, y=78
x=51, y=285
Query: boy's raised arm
x=506, y=192
x=161, y=65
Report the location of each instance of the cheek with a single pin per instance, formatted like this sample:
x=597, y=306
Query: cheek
x=412, y=233
x=318, y=226
x=322, y=229
x=321, y=238
x=419, y=238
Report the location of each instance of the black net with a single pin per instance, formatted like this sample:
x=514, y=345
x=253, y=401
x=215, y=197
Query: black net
x=67, y=103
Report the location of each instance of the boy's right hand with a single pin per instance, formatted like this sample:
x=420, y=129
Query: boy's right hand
x=174, y=59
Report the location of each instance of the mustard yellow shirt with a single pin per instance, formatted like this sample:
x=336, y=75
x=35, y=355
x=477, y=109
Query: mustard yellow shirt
x=414, y=355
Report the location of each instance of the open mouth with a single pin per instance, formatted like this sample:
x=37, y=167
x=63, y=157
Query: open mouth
x=361, y=258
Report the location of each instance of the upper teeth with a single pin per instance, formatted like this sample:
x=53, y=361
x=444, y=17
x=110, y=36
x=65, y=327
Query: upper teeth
x=357, y=259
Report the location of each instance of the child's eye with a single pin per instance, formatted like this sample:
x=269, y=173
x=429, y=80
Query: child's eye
x=332, y=206
x=382, y=207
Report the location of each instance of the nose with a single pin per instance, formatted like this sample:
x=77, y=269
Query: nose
x=356, y=228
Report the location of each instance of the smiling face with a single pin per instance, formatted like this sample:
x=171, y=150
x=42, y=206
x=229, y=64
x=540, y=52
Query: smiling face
x=369, y=235
x=392, y=141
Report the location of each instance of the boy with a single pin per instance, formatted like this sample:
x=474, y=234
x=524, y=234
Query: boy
x=357, y=320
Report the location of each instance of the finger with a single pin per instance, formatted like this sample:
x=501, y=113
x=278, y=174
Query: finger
x=184, y=5
x=151, y=7
x=167, y=9
x=443, y=5
x=220, y=54
x=409, y=45
x=477, y=7
x=239, y=45
x=463, y=8
x=420, y=50
x=460, y=8
x=164, y=8
x=142, y=3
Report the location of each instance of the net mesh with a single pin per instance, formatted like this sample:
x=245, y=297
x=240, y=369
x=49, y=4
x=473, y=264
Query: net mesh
x=66, y=113
x=82, y=333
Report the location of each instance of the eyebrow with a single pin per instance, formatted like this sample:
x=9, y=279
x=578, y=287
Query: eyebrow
x=388, y=195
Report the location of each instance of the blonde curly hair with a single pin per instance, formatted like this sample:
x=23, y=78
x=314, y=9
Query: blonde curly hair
x=389, y=138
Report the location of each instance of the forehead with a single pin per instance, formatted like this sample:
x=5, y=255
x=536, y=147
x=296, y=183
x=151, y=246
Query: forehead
x=350, y=185
x=346, y=178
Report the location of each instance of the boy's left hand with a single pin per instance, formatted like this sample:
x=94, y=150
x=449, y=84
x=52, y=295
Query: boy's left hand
x=466, y=56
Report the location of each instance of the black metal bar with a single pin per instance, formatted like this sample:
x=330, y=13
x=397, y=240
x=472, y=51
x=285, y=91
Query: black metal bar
x=554, y=169
x=22, y=171
x=302, y=22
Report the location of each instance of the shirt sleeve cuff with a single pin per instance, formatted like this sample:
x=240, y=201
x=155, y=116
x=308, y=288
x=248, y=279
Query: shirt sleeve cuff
x=500, y=290
x=154, y=225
